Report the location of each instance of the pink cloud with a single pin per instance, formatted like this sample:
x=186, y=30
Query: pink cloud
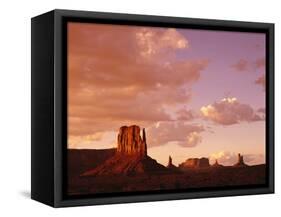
x=185, y=114
x=86, y=139
x=247, y=65
x=260, y=63
x=261, y=81
x=261, y=110
x=107, y=55
x=152, y=42
x=184, y=134
x=119, y=75
x=229, y=111
x=241, y=65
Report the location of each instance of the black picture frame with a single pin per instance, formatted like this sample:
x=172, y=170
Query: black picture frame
x=49, y=105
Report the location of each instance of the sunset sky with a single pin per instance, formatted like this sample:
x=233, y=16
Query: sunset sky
x=198, y=93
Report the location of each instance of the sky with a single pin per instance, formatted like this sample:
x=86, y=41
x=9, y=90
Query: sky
x=198, y=93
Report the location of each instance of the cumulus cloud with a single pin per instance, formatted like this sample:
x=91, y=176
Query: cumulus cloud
x=119, y=75
x=254, y=159
x=248, y=65
x=185, y=114
x=244, y=65
x=241, y=65
x=261, y=110
x=261, y=81
x=192, y=139
x=95, y=112
x=227, y=158
x=260, y=63
x=153, y=42
x=184, y=134
x=230, y=111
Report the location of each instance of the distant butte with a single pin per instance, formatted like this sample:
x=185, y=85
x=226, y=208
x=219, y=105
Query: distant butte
x=195, y=163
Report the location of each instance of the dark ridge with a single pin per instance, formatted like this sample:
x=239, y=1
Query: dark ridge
x=81, y=160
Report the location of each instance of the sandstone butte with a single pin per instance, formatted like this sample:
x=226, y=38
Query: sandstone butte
x=195, y=163
x=131, y=156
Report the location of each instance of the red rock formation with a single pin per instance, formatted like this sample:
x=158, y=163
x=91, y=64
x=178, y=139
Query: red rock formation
x=131, y=156
x=195, y=163
x=130, y=141
x=203, y=162
x=240, y=162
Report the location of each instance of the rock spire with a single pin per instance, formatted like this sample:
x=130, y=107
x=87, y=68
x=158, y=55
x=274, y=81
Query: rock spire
x=240, y=161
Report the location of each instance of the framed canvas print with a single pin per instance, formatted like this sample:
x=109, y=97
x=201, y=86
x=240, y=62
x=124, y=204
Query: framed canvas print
x=131, y=108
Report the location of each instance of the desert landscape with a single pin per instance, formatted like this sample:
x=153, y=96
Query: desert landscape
x=128, y=168
x=159, y=108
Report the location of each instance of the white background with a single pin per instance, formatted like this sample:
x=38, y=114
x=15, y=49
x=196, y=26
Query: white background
x=15, y=106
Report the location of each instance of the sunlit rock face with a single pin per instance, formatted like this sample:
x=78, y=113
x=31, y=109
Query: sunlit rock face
x=195, y=163
x=130, y=142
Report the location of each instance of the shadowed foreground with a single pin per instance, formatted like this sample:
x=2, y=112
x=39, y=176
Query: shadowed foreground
x=183, y=179
x=129, y=168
